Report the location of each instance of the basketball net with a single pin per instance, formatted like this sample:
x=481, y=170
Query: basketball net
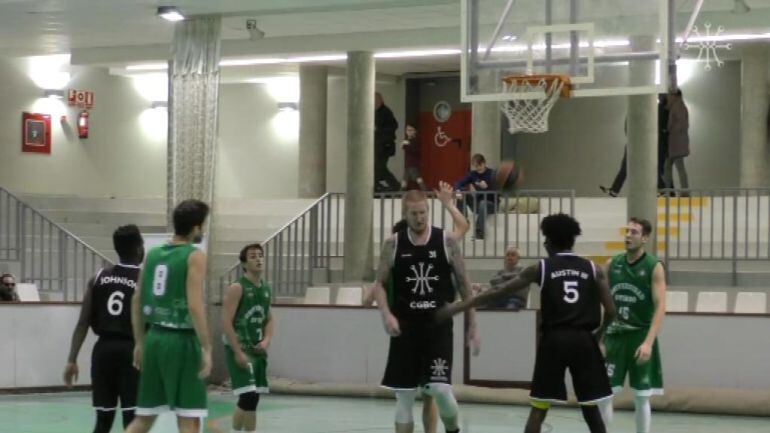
x=541, y=93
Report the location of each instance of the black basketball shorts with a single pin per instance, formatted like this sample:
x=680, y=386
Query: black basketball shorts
x=419, y=356
x=578, y=351
x=113, y=376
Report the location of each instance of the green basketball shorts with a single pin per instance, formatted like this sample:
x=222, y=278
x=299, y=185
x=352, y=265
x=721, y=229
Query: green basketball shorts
x=645, y=379
x=169, y=381
x=253, y=379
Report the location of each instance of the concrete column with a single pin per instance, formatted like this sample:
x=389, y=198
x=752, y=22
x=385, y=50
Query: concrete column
x=312, y=130
x=754, y=152
x=359, y=202
x=642, y=158
x=485, y=133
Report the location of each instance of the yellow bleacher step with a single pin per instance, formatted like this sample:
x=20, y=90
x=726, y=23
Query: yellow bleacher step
x=683, y=202
x=621, y=245
x=673, y=217
x=599, y=260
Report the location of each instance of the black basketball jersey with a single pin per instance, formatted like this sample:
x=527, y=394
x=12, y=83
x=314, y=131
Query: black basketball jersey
x=421, y=276
x=569, y=296
x=111, y=301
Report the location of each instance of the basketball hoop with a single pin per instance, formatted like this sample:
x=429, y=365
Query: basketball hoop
x=535, y=96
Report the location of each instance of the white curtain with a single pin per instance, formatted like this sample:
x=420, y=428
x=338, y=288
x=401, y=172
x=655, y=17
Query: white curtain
x=193, y=110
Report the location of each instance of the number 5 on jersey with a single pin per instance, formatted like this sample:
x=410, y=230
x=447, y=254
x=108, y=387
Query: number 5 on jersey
x=571, y=294
x=159, y=280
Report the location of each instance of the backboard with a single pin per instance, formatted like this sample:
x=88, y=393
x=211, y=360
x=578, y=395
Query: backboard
x=607, y=47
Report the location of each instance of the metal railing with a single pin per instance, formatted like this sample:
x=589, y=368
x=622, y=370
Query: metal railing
x=304, y=245
x=727, y=224
x=510, y=219
x=51, y=257
x=310, y=241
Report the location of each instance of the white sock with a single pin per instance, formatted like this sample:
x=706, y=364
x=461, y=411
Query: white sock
x=606, y=409
x=642, y=413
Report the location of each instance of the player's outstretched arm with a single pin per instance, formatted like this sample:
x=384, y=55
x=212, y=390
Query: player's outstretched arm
x=464, y=288
x=196, y=275
x=446, y=194
x=383, y=273
x=605, y=298
x=502, y=291
x=79, y=335
x=659, y=301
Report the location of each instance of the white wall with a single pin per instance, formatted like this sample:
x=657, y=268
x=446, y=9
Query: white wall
x=121, y=157
x=348, y=345
x=258, y=144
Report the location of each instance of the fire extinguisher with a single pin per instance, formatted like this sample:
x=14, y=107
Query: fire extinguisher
x=83, y=124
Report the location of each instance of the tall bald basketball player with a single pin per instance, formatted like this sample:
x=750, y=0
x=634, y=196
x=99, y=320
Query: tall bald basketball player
x=420, y=261
x=106, y=310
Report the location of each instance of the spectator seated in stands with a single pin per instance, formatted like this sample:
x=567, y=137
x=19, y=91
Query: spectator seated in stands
x=8, y=289
x=511, y=270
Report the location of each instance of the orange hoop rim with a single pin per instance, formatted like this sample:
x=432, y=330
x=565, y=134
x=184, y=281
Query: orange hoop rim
x=534, y=79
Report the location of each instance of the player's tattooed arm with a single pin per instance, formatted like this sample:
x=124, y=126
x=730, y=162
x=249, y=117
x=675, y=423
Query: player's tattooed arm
x=79, y=334
x=457, y=261
x=605, y=298
x=389, y=321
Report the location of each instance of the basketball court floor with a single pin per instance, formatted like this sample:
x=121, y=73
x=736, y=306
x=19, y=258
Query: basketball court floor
x=72, y=413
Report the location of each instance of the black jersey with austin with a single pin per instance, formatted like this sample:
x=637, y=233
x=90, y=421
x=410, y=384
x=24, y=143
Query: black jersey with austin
x=111, y=295
x=569, y=295
x=422, y=276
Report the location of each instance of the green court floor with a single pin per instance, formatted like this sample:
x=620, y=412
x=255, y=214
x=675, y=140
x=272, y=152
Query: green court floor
x=71, y=413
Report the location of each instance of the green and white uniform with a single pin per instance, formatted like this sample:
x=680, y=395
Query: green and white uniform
x=631, y=289
x=171, y=356
x=249, y=322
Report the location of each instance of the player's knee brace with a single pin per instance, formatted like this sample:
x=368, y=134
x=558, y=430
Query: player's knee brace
x=404, y=404
x=104, y=419
x=445, y=399
x=248, y=401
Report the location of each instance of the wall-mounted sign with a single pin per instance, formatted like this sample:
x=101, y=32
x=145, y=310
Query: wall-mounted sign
x=80, y=98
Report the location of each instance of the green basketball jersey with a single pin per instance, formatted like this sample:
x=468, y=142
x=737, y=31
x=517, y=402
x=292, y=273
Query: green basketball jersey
x=164, y=286
x=251, y=316
x=631, y=289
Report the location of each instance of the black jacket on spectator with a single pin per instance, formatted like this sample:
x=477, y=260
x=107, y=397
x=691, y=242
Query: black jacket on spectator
x=385, y=126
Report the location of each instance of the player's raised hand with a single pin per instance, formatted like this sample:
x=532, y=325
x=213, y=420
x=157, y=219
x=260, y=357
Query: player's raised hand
x=70, y=374
x=444, y=193
x=205, y=364
x=391, y=325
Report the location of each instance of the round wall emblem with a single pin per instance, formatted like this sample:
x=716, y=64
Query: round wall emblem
x=442, y=111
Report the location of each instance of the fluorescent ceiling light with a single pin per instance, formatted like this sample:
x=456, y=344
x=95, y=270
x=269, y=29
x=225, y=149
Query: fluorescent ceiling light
x=416, y=53
x=170, y=13
x=249, y=62
x=148, y=67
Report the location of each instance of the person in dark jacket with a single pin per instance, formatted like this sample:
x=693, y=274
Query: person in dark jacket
x=478, y=180
x=412, y=155
x=385, y=126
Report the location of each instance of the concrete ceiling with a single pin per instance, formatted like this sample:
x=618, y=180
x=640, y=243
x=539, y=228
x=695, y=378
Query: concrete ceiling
x=120, y=32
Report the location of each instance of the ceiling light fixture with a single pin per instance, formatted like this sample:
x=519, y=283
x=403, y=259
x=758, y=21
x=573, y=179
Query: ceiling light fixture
x=53, y=93
x=170, y=13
